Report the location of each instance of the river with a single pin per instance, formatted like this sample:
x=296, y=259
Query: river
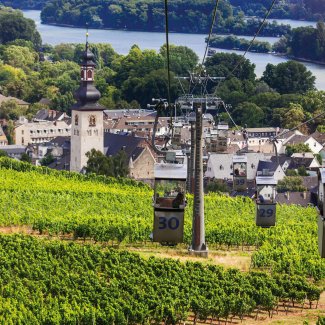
x=122, y=41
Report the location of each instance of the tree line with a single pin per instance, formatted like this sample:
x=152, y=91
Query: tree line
x=185, y=16
x=285, y=95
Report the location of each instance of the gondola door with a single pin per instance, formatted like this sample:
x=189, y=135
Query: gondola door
x=169, y=203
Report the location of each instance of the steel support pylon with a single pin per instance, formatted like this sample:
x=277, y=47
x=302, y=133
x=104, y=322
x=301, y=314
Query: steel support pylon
x=198, y=246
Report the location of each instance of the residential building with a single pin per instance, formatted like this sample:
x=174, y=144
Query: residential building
x=141, y=156
x=220, y=166
x=14, y=151
x=38, y=132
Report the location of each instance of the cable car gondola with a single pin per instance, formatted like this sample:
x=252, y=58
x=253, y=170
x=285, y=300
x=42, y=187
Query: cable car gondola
x=321, y=219
x=239, y=166
x=169, y=203
x=265, y=200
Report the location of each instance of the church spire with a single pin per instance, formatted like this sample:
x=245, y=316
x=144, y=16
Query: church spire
x=87, y=95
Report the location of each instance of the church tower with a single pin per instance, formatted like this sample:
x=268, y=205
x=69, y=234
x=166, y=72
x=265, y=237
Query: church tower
x=87, y=116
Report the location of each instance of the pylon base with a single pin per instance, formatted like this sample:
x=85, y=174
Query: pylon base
x=203, y=253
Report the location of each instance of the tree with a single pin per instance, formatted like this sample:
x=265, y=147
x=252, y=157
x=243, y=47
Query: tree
x=294, y=116
x=3, y=153
x=116, y=166
x=289, y=77
x=291, y=183
x=48, y=159
x=182, y=59
x=217, y=186
x=297, y=148
x=25, y=157
x=249, y=113
x=13, y=25
x=19, y=57
x=223, y=64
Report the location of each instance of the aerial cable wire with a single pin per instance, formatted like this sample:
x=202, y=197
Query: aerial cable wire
x=168, y=67
x=250, y=44
x=208, y=40
x=297, y=127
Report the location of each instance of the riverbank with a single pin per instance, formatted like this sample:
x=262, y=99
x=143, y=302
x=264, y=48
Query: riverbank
x=122, y=41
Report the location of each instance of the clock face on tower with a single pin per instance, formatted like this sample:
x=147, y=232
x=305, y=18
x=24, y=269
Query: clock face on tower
x=92, y=120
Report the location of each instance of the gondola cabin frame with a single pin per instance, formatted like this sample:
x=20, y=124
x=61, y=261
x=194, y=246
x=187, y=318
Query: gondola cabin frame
x=265, y=201
x=169, y=202
x=239, y=166
x=320, y=205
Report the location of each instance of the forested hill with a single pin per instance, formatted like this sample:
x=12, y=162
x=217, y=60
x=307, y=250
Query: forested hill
x=23, y=4
x=304, y=9
x=185, y=16
x=293, y=9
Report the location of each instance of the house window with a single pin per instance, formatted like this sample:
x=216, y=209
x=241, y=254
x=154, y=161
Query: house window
x=92, y=120
x=22, y=140
x=76, y=119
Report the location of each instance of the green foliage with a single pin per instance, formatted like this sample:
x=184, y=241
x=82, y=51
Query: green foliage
x=289, y=77
x=115, y=166
x=297, y=148
x=217, y=186
x=108, y=209
x=186, y=16
x=3, y=153
x=48, y=159
x=14, y=26
x=291, y=184
x=26, y=158
x=242, y=44
x=51, y=284
x=291, y=172
x=302, y=171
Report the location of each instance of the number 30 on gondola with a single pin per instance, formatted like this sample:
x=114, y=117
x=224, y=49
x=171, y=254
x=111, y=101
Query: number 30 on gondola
x=169, y=203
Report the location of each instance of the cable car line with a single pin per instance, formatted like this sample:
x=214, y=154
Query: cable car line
x=250, y=44
x=210, y=32
x=214, y=15
x=167, y=48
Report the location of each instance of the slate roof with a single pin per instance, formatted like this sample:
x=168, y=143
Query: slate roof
x=63, y=142
x=61, y=163
x=296, y=139
x=319, y=137
x=13, y=149
x=300, y=161
x=264, y=164
x=282, y=159
x=48, y=115
x=298, y=198
x=133, y=146
x=17, y=100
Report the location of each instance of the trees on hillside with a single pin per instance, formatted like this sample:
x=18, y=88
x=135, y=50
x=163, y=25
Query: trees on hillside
x=99, y=164
x=289, y=77
x=13, y=26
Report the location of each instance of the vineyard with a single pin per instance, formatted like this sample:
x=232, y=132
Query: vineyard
x=46, y=282
x=48, y=278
